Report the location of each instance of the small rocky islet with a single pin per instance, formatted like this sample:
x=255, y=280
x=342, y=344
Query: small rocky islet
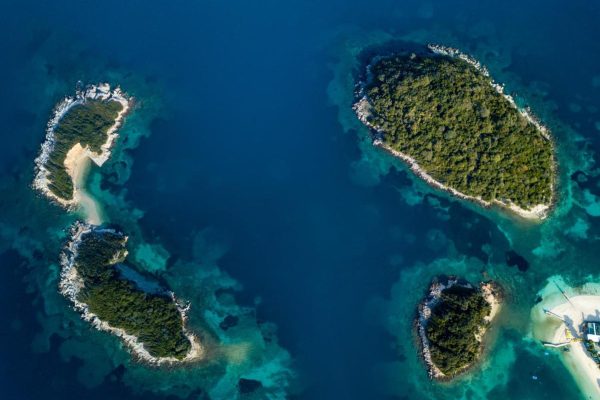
x=451, y=323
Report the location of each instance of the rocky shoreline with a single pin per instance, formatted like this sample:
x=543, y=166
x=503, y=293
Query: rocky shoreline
x=100, y=91
x=491, y=293
x=362, y=108
x=71, y=284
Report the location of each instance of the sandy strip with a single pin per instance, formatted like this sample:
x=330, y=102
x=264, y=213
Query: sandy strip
x=77, y=159
x=580, y=308
x=77, y=164
x=493, y=298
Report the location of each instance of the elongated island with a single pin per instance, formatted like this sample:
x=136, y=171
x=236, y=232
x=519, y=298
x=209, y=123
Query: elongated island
x=440, y=112
x=94, y=277
x=83, y=128
x=451, y=323
x=104, y=289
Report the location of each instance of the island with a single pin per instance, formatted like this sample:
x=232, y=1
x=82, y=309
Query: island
x=83, y=127
x=150, y=320
x=440, y=112
x=108, y=292
x=451, y=323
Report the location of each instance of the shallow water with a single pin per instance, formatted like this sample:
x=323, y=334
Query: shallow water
x=248, y=186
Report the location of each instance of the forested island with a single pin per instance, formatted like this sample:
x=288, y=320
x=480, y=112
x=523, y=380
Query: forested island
x=151, y=323
x=451, y=323
x=94, y=275
x=440, y=112
x=82, y=128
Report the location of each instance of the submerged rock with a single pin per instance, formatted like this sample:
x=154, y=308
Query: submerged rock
x=229, y=322
x=513, y=259
x=248, y=385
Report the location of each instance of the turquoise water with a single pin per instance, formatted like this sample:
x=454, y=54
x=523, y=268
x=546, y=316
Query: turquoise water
x=247, y=185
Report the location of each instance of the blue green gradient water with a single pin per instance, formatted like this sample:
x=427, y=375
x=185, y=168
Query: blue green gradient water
x=244, y=174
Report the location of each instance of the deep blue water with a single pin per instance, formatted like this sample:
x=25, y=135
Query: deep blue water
x=246, y=154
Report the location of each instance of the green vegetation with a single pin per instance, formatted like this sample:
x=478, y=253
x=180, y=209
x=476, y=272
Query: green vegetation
x=451, y=330
x=593, y=352
x=86, y=124
x=445, y=114
x=153, y=318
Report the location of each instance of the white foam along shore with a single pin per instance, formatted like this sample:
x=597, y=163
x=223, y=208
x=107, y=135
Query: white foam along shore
x=562, y=326
x=78, y=157
x=71, y=284
x=491, y=296
x=362, y=108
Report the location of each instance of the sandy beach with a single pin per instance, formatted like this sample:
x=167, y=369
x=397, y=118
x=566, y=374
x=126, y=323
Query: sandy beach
x=550, y=329
x=77, y=164
x=580, y=308
x=77, y=161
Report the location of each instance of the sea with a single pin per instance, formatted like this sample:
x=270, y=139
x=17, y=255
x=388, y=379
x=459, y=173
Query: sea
x=247, y=186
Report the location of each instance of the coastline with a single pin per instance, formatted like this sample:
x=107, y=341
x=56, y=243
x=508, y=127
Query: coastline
x=362, y=108
x=582, y=304
x=577, y=360
x=71, y=284
x=76, y=162
x=538, y=212
x=489, y=290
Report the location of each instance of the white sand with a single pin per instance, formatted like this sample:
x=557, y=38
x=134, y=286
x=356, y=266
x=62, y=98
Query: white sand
x=493, y=299
x=578, y=361
x=550, y=329
x=77, y=164
x=78, y=157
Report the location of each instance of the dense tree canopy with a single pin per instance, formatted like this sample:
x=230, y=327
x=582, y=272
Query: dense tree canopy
x=86, y=124
x=445, y=114
x=451, y=330
x=153, y=318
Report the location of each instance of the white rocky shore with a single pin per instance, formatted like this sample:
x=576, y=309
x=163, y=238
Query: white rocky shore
x=489, y=292
x=78, y=155
x=362, y=108
x=455, y=53
x=71, y=284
